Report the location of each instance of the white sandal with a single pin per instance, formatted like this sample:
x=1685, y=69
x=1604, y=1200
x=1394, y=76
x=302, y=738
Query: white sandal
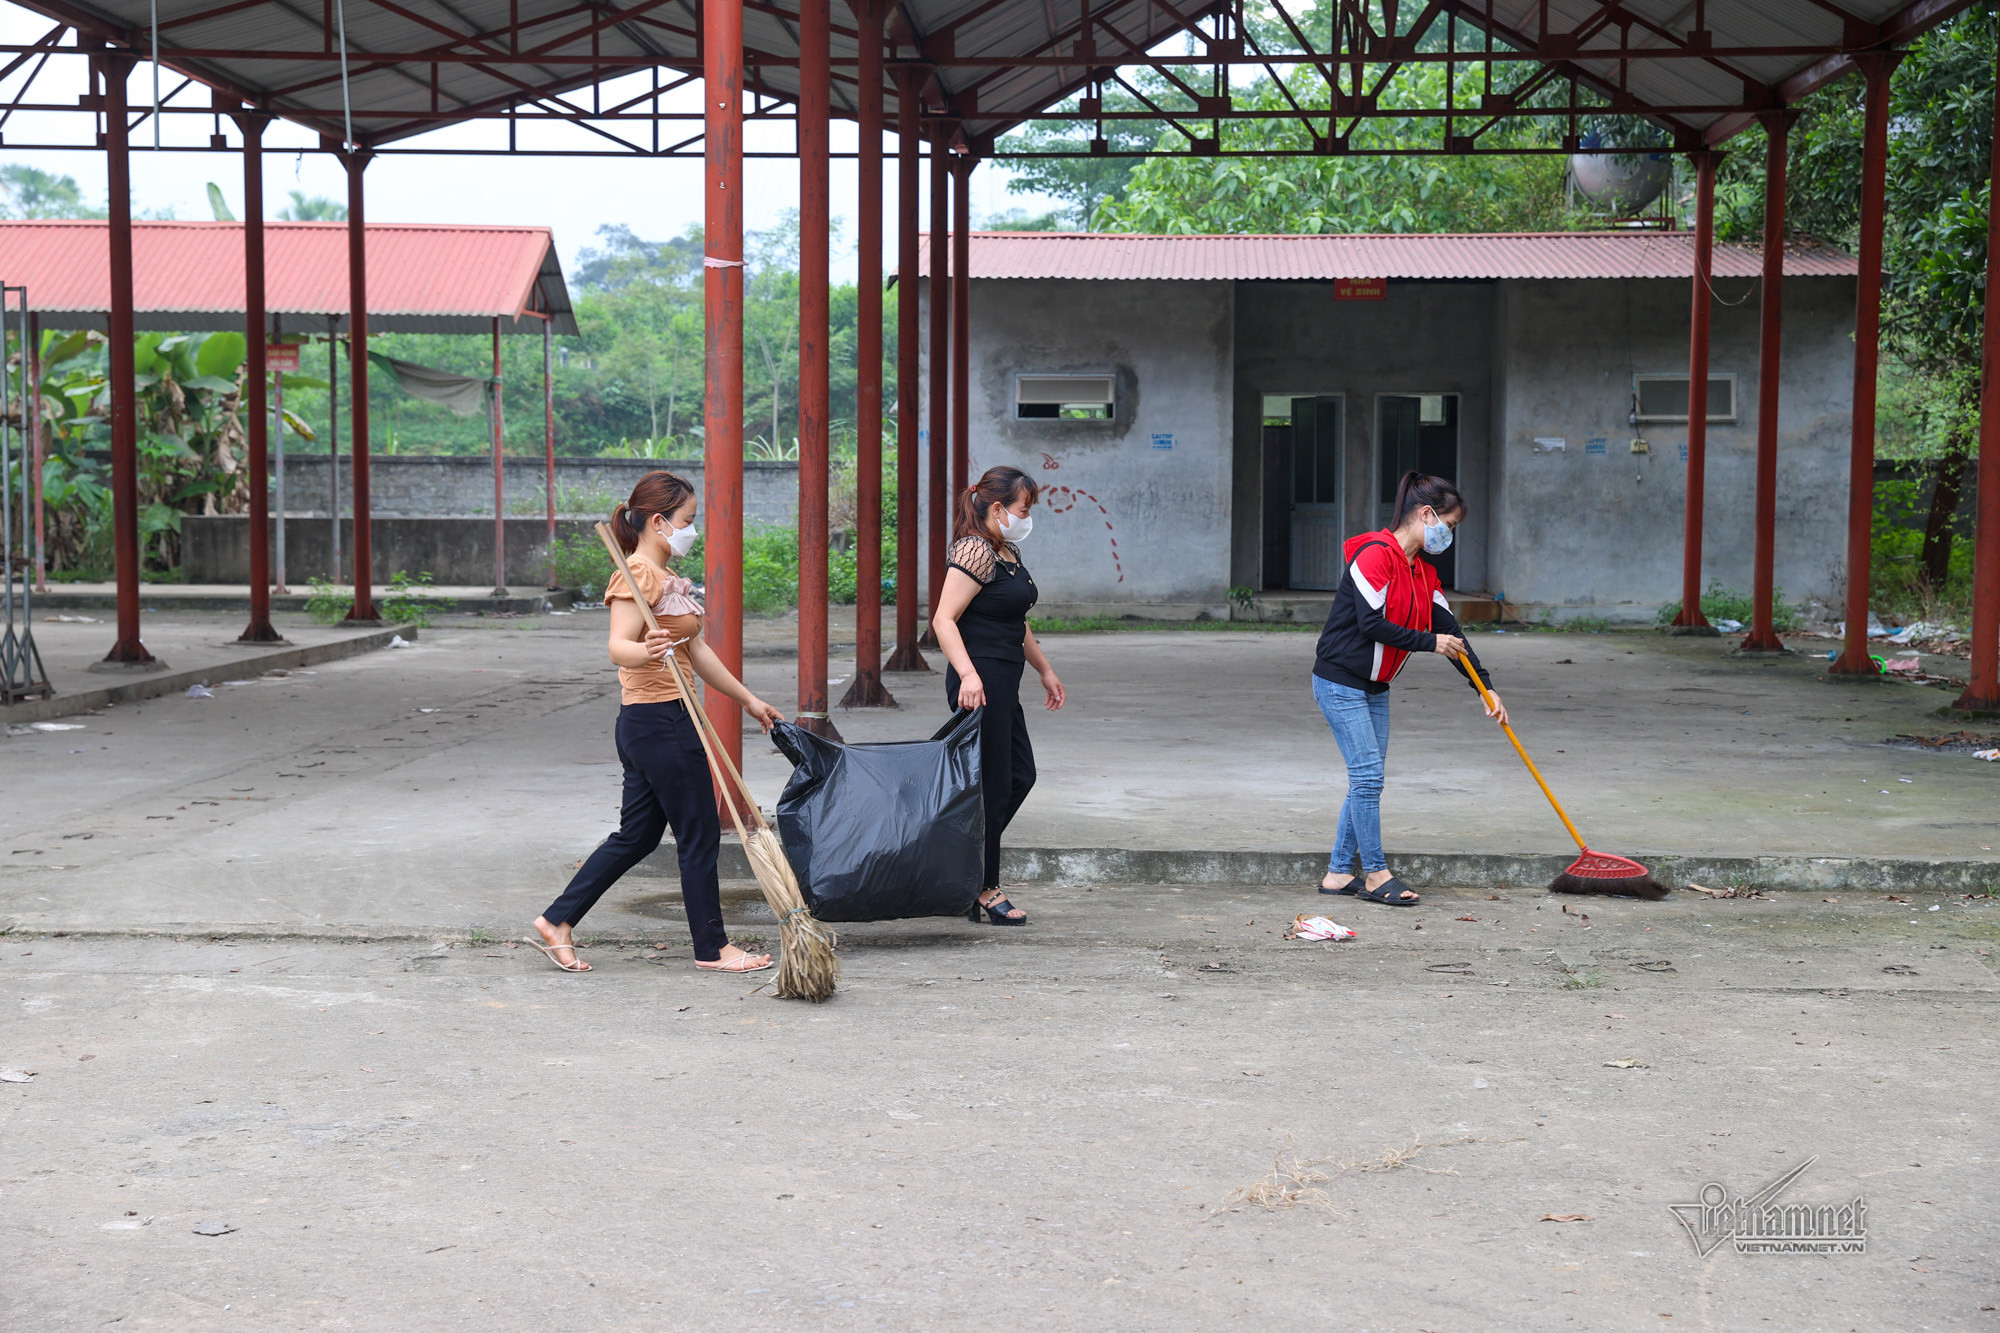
x=741, y=963
x=549, y=951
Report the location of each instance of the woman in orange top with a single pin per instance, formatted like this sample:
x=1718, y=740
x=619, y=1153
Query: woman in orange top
x=667, y=781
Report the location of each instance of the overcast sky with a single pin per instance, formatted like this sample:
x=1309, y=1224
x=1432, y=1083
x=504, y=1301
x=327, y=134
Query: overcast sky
x=573, y=196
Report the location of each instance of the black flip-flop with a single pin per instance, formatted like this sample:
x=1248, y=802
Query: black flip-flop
x=1389, y=892
x=1347, y=891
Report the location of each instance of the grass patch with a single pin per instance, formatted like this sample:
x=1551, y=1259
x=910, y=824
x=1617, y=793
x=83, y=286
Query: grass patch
x=1723, y=603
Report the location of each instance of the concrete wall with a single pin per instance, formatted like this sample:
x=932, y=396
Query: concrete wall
x=1601, y=534
x=431, y=485
x=1426, y=337
x=1136, y=515
x=455, y=552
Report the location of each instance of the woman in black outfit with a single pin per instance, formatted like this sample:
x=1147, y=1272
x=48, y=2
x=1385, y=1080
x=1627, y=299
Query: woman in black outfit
x=981, y=622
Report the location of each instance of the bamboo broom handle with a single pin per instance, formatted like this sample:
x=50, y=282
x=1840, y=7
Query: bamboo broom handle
x=1480, y=685
x=696, y=712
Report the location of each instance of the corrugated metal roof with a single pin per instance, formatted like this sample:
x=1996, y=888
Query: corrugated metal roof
x=189, y=275
x=1106, y=257
x=391, y=98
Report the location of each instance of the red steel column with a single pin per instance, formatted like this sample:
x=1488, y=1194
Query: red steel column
x=1763, y=577
x=128, y=650
x=815, y=222
x=357, y=373
x=961, y=324
x=1982, y=694
x=866, y=690
x=256, y=407
x=499, y=476
x=1691, y=620
x=722, y=311
x=1854, y=658
x=938, y=290
x=549, y=432
x=907, y=656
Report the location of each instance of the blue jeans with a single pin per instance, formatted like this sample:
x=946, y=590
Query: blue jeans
x=1360, y=724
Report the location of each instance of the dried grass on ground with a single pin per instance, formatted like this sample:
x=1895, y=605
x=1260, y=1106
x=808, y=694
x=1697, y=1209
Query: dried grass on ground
x=1293, y=1181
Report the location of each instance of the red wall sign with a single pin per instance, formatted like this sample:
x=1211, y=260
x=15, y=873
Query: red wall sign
x=282, y=357
x=1360, y=289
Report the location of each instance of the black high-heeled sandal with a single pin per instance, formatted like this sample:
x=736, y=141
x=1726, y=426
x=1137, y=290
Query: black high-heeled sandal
x=996, y=912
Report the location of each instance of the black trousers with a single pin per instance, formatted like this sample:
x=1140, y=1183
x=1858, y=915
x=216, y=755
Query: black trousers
x=1006, y=756
x=667, y=784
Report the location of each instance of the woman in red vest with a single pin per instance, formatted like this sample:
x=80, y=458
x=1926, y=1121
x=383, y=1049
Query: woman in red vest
x=1389, y=606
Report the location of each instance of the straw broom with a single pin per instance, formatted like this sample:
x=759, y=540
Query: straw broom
x=808, y=968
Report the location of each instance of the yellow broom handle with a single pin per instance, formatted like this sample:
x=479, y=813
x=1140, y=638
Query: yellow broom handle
x=699, y=715
x=1480, y=685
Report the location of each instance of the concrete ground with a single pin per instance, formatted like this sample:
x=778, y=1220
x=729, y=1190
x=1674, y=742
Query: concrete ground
x=259, y=949
x=331, y=796
x=1045, y=1128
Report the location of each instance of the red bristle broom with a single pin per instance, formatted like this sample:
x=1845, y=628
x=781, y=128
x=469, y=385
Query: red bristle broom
x=1592, y=872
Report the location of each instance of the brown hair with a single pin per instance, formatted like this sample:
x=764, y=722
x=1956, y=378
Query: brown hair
x=1000, y=485
x=656, y=493
x=1418, y=489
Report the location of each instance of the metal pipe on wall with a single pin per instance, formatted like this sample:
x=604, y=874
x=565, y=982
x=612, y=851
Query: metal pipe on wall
x=866, y=690
x=815, y=393
x=907, y=657
x=33, y=353
x=1876, y=67
x=127, y=650
x=357, y=370
x=1763, y=577
x=339, y=567
x=257, y=420
x=722, y=312
x=1691, y=620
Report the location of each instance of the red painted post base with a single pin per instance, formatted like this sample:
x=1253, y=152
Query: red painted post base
x=261, y=631
x=908, y=659
x=128, y=655
x=819, y=724
x=1974, y=704
x=867, y=691
x=928, y=639
x=1753, y=647
x=1850, y=670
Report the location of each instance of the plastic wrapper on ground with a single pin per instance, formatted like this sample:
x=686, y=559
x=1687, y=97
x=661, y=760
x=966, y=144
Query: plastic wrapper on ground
x=885, y=830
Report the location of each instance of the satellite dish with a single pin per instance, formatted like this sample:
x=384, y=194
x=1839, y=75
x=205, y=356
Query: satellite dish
x=1621, y=184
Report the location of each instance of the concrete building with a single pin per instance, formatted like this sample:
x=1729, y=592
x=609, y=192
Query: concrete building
x=1219, y=412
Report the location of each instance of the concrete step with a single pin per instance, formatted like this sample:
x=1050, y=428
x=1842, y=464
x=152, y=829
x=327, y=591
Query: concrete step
x=234, y=597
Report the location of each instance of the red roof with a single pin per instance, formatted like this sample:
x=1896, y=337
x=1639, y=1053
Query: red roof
x=189, y=275
x=1628, y=254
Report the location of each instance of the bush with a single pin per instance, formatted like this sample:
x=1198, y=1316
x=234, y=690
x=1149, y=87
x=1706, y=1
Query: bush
x=581, y=562
x=407, y=602
x=1721, y=603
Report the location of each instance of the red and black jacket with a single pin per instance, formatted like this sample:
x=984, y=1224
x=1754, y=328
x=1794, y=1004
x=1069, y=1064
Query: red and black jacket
x=1386, y=608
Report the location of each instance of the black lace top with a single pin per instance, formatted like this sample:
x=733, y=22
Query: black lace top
x=995, y=623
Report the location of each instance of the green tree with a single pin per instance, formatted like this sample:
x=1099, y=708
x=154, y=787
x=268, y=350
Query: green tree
x=26, y=192
x=312, y=208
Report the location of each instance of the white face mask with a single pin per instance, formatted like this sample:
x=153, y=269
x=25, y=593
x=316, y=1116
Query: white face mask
x=681, y=540
x=1013, y=529
x=1437, y=537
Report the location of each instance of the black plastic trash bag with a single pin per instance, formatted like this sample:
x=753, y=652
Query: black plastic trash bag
x=885, y=830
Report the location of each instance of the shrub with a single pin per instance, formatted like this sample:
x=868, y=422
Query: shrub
x=407, y=602
x=1721, y=603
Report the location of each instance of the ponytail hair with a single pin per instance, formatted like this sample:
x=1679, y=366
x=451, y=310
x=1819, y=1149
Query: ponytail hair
x=1418, y=489
x=656, y=493
x=1001, y=486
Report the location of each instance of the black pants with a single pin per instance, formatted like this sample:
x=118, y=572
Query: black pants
x=1006, y=756
x=667, y=784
